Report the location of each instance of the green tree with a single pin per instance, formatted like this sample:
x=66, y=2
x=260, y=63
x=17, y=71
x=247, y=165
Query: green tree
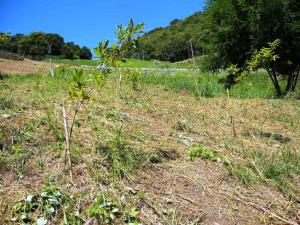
x=236, y=29
x=171, y=43
x=85, y=53
x=35, y=45
x=4, y=40
x=56, y=42
x=67, y=51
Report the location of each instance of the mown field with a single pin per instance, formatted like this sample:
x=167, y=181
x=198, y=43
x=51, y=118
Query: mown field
x=175, y=149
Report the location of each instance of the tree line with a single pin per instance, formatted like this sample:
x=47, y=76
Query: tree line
x=239, y=35
x=172, y=43
x=37, y=45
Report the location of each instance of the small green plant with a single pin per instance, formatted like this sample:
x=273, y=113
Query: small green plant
x=113, y=55
x=41, y=164
x=82, y=86
x=80, y=91
x=182, y=125
x=104, y=210
x=41, y=208
x=110, y=209
x=132, y=77
x=121, y=157
x=63, y=70
x=198, y=151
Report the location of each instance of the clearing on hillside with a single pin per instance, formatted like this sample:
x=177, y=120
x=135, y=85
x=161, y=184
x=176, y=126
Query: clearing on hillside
x=150, y=155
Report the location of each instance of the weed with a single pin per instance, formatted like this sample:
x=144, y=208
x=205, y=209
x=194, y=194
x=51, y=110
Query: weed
x=39, y=208
x=40, y=163
x=132, y=77
x=121, y=157
x=53, y=125
x=5, y=103
x=161, y=154
x=276, y=169
x=182, y=125
x=15, y=160
x=111, y=209
x=198, y=151
x=242, y=172
x=26, y=132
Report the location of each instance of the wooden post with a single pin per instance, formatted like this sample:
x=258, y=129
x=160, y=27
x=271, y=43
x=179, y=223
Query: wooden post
x=193, y=56
x=67, y=135
x=231, y=114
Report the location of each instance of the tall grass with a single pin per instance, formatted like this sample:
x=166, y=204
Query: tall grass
x=278, y=169
x=257, y=85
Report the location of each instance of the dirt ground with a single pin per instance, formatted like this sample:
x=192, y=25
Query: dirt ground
x=26, y=66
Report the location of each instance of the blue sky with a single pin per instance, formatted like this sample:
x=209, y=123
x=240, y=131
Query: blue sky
x=85, y=22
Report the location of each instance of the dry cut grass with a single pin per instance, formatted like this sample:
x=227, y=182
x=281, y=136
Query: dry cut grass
x=259, y=186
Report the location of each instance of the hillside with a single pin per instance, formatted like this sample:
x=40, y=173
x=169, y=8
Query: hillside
x=25, y=66
x=172, y=43
x=155, y=155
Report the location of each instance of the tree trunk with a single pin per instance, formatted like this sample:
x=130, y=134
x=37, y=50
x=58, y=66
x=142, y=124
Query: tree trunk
x=273, y=77
x=295, y=80
x=292, y=82
x=289, y=84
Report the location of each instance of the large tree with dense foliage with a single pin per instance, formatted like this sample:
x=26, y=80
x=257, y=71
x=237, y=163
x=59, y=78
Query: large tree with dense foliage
x=85, y=53
x=35, y=45
x=238, y=29
x=56, y=42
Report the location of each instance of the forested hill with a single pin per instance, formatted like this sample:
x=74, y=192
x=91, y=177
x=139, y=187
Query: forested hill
x=37, y=45
x=172, y=43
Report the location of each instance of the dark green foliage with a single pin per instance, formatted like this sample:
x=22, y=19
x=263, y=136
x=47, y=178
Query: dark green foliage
x=56, y=42
x=37, y=45
x=232, y=33
x=85, y=53
x=70, y=51
x=236, y=30
x=173, y=42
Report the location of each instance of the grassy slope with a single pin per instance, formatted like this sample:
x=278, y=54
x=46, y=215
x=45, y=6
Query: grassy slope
x=129, y=63
x=256, y=85
x=162, y=123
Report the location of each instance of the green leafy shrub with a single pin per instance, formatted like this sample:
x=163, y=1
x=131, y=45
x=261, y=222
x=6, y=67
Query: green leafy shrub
x=198, y=151
x=41, y=208
x=110, y=209
x=132, y=77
